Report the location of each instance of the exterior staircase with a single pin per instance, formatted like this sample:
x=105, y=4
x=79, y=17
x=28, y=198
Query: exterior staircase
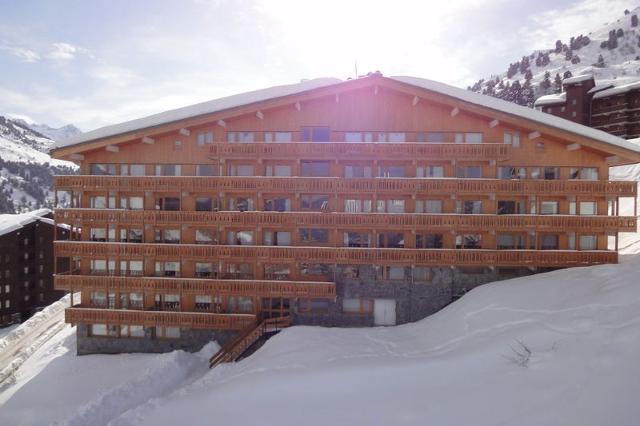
x=233, y=349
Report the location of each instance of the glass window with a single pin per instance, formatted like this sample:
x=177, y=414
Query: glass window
x=103, y=169
x=396, y=137
x=277, y=238
x=534, y=172
x=278, y=137
x=204, y=204
x=167, y=236
x=430, y=171
x=428, y=241
x=98, y=329
x=314, y=235
x=314, y=202
x=241, y=170
x=469, y=172
x=551, y=173
x=588, y=208
x=469, y=241
x=98, y=202
x=168, y=170
x=468, y=138
x=357, y=239
x=510, y=172
x=512, y=139
x=549, y=207
x=204, y=270
x=242, y=137
x=391, y=171
x=511, y=207
x=390, y=206
x=315, y=168
x=436, y=137
x=357, y=206
x=206, y=236
x=583, y=173
x=510, y=242
x=316, y=134
x=132, y=170
x=241, y=204
x=391, y=240
x=588, y=242
x=428, y=206
x=168, y=203
x=278, y=170
x=277, y=204
x=98, y=234
x=469, y=207
x=205, y=138
x=206, y=170
x=549, y=242
x=240, y=238
x=357, y=171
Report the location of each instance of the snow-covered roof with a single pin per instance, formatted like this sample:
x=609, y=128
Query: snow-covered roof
x=554, y=98
x=577, y=79
x=617, y=90
x=12, y=222
x=202, y=108
x=280, y=91
x=520, y=111
x=598, y=87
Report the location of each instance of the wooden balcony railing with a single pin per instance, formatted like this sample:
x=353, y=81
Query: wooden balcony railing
x=305, y=289
x=360, y=151
x=194, y=320
x=87, y=217
x=390, y=186
x=340, y=255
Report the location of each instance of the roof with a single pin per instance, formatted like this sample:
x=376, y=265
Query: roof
x=467, y=96
x=554, y=98
x=13, y=222
x=598, y=87
x=617, y=90
x=577, y=79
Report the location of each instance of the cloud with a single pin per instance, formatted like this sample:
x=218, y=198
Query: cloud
x=63, y=51
x=26, y=55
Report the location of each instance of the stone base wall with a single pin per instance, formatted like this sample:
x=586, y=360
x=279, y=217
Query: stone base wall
x=190, y=340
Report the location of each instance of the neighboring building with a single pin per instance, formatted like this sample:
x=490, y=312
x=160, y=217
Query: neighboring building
x=373, y=201
x=613, y=109
x=26, y=264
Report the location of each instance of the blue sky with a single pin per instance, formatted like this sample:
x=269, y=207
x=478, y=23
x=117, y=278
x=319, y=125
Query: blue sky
x=99, y=62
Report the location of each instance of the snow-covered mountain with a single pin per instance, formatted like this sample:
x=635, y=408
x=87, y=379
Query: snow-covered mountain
x=26, y=169
x=611, y=53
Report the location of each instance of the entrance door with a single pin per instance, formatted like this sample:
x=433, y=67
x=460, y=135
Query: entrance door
x=384, y=312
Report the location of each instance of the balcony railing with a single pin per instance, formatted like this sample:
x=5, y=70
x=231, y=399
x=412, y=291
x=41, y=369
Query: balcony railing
x=83, y=217
x=390, y=186
x=340, y=255
x=193, y=320
x=194, y=286
x=360, y=151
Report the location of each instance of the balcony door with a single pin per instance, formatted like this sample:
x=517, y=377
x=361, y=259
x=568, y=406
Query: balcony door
x=316, y=134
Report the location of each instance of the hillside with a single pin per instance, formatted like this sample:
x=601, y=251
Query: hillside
x=611, y=53
x=26, y=169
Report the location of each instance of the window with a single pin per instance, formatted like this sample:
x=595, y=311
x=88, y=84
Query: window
x=469, y=241
x=131, y=235
x=534, y=172
x=316, y=134
x=131, y=331
x=278, y=137
x=468, y=138
x=168, y=170
x=204, y=138
x=392, y=137
x=203, y=303
x=357, y=206
x=391, y=240
x=278, y=170
x=204, y=204
x=241, y=204
x=206, y=236
x=167, y=332
x=549, y=207
x=358, y=137
x=98, y=202
x=315, y=168
x=469, y=172
x=435, y=137
x=241, y=137
x=167, y=269
x=511, y=207
x=510, y=242
x=277, y=272
x=103, y=169
x=390, y=206
x=428, y=206
x=131, y=267
x=428, y=241
x=167, y=236
x=240, y=238
x=314, y=235
x=317, y=306
x=238, y=271
x=98, y=234
x=583, y=173
x=168, y=203
x=177, y=144
x=357, y=239
x=314, y=202
x=277, y=204
x=98, y=298
x=241, y=170
x=430, y=171
x=551, y=173
x=391, y=171
x=206, y=170
x=549, y=242
x=588, y=242
x=357, y=306
x=204, y=270
x=588, y=208
x=469, y=207
x=132, y=203
x=509, y=172
x=277, y=238
x=240, y=304
x=98, y=329
x=357, y=171
x=132, y=170
x=512, y=139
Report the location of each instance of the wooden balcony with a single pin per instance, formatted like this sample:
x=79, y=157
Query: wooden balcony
x=407, y=221
x=262, y=288
x=339, y=255
x=331, y=185
x=193, y=320
x=360, y=151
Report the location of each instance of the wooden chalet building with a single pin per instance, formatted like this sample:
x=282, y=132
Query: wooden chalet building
x=373, y=201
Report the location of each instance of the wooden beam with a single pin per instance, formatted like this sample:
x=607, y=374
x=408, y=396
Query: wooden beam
x=260, y=115
x=455, y=111
x=534, y=135
x=76, y=157
x=112, y=148
x=415, y=101
x=574, y=147
x=222, y=123
x=148, y=140
x=337, y=98
x=613, y=159
x=493, y=123
x=184, y=132
x=375, y=90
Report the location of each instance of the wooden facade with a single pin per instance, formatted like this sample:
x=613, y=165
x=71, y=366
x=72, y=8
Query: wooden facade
x=273, y=200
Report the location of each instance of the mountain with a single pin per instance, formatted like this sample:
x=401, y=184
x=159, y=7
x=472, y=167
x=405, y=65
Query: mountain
x=26, y=169
x=56, y=134
x=611, y=53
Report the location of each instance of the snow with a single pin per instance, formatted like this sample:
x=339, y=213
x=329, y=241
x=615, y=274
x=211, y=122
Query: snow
x=617, y=90
x=517, y=110
x=208, y=107
x=577, y=79
x=598, y=87
x=11, y=222
x=551, y=99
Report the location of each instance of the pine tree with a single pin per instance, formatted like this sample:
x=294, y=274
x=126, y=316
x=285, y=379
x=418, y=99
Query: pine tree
x=558, y=46
x=600, y=63
x=575, y=59
x=557, y=84
x=567, y=74
x=568, y=55
x=634, y=20
x=528, y=75
x=619, y=33
x=545, y=84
